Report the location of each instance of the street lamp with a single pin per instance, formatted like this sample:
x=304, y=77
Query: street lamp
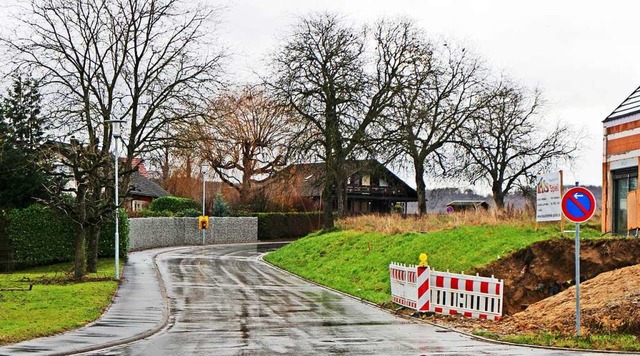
x=115, y=132
x=202, y=168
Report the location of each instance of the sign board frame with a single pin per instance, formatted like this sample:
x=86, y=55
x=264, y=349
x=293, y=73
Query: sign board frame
x=548, y=197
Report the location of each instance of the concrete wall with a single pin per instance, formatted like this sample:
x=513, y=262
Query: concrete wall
x=146, y=233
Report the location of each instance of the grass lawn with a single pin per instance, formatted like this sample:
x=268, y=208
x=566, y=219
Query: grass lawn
x=357, y=262
x=55, y=304
x=589, y=342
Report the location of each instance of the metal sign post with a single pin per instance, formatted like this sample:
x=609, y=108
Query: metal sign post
x=577, y=279
x=578, y=205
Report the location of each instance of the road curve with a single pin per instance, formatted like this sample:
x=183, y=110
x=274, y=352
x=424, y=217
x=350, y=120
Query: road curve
x=225, y=301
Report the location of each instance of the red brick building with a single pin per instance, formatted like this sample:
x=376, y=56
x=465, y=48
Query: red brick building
x=621, y=147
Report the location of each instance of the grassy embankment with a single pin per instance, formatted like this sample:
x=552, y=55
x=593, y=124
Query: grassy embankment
x=355, y=259
x=55, y=304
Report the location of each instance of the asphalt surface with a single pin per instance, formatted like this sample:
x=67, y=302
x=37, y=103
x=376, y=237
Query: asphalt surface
x=223, y=300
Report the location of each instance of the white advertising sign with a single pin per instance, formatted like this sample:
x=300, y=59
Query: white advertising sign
x=549, y=197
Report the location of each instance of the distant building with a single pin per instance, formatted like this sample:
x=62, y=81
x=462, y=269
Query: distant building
x=621, y=148
x=370, y=186
x=142, y=190
x=466, y=205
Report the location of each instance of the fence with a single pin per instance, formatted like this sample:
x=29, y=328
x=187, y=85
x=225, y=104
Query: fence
x=427, y=290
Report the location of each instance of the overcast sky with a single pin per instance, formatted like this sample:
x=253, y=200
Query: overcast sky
x=583, y=55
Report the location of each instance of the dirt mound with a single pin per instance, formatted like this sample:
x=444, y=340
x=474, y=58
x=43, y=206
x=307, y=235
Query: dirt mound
x=609, y=304
x=546, y=268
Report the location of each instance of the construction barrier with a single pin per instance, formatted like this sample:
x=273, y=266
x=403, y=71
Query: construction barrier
x=424, y=289
x=404, y=290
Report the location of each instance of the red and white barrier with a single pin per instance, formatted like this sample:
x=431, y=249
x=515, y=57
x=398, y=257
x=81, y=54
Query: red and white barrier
x=404, y=289
x=471, y=296
x=424, y=289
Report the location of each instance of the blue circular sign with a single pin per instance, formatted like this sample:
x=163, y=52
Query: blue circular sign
x=578, y=204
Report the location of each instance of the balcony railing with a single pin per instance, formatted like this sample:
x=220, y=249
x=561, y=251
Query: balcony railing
x=372, y=190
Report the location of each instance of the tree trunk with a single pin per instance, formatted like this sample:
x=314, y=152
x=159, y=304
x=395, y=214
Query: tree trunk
x=93, y=232
x=92, y=255
x=327, y=209
x=79, y=267
x=498, y=198
x=327, y=201
x=420, y=187
x=80, y=258
x=342, y=196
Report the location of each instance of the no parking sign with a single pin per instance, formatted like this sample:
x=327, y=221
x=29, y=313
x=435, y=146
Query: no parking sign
x=578, y=204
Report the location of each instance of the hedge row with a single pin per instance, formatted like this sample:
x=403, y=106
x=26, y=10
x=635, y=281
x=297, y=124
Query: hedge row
x=173, y=204
x=282, y=226
x=39, y=235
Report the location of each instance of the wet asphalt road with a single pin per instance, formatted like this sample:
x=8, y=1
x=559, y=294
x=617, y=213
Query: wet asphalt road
x=225, y=301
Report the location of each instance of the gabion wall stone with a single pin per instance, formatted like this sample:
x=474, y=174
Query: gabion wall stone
x=146, y=233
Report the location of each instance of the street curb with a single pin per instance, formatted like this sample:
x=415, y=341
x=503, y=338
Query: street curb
x=449, y=328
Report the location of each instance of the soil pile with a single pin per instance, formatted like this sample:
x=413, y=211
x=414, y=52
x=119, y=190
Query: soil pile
x=610, y=303
x=546, y=268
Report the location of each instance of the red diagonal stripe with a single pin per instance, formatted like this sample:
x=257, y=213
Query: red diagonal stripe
x=577, y=203
x=423, y=288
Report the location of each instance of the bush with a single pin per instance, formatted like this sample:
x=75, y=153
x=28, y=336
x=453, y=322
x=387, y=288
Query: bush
x=193, y=213
x=279, y=226
x=146, y=213
x=39, y=235
x=173, y=204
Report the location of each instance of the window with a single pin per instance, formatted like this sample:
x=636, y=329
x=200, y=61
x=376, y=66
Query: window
x=624, y=181
x=137, y=205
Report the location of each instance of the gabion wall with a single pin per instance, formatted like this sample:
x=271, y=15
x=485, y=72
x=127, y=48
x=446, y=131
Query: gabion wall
x=146, y=233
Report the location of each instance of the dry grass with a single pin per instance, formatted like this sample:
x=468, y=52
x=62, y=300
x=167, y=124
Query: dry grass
x=397, y=224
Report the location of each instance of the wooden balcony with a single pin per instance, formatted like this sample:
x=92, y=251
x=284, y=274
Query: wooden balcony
x=373, y=190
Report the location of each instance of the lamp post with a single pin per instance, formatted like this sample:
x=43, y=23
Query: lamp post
x=202, y=168
x=116, y=134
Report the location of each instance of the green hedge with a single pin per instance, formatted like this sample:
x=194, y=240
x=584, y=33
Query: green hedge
x=146, y=213
x=282, y=226
x=106, y=245
x=39, y=235
x=173, y=204
x=6, y=251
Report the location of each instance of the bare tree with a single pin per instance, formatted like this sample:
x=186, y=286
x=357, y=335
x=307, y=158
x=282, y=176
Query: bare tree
x=247, y=137
x=509, y=141
x=339, y=82
x=147, y=62
x=443, y=93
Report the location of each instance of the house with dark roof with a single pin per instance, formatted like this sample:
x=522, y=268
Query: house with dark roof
x=621, y=146
x=370, y=186
x=142, y=190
